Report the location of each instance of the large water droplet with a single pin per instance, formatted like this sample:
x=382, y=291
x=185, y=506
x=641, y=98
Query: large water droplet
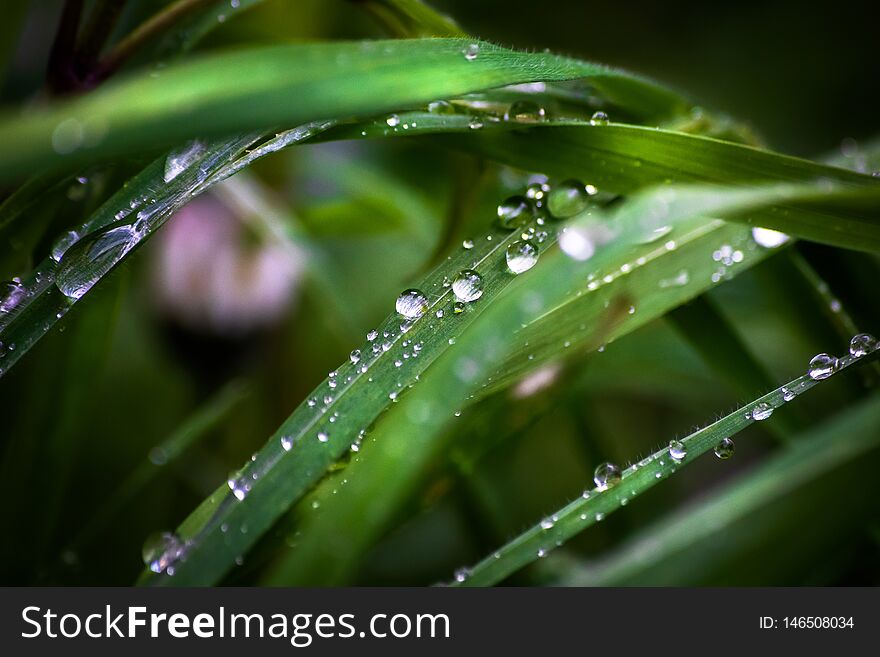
x=393, y=120
x=471, y=51
x=525, y=111
x=161, y=550
x=286, y=443
x=576, y=243
x=179, y=161
x=567, y=199
x=724, y=449
x=862, y=344
x=468, y=285
x=822, y=366
x=677, y=450
x=87, y=261
x=606, y=476
x=514, y=212
x=521, y=256
x=761, y=411
x=769, y=239
x=11, y=294
x=412, y=304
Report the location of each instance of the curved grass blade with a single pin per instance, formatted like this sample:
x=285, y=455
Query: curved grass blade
x=290, y=84
x=671, y=550
x=622, y=158
x=595, y=504
x=578, y=305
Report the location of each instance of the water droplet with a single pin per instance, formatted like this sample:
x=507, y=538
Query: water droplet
x=862, y=344
x=599, y=118
x=822, y=366
x=87, y=261
x=576, y=243
x=11, y=294
x=606, y=476
x=179, y=161
x=514, y=212
x=788, y=395
x=393, y=120
x=441, y=107
x=468, y=244
x=372, y=335
x=468, y=285
x=62, y=244
x=238, y=487
x=525, y=111
x=521, y=256
x=457, y=307
x=547, y=523
x=323, y=437
x=724, y=449
x=769, y=239
x=286, y=443
x=475, y=123
x=412, y=304
x=355, y=355
x=677, y=450
x=536, y=192
x=161, y=550
x=761, y=411
x=471, y=51
x=567, y=199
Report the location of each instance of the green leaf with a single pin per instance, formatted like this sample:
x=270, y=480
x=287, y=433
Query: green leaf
x=285, y=85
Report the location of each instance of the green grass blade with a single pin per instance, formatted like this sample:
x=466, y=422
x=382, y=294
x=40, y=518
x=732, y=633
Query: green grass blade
x=595, y=504
x=583, y=315
x=284, y=85
x=739, y=517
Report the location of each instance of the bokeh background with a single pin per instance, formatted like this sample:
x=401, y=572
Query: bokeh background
x=217, y=328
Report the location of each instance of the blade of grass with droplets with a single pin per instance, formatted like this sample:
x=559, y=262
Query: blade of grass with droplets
x=595, y=504
x=621, y=159
x=290, y=84
x=590, y=314
x=124, y=222
x=752, y=510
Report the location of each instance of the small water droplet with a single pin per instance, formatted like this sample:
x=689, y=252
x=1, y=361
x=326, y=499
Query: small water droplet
x=599, y=118
x=457, y=307
x=468, y=285
x=769, y=239
x=525, y=111
x=677, y=450
x=468, y=244
x=822, y=366
x=521, y=256
x=761, y=411
x=788, y=395
x=161, y=550
x=411, y=304
x=441, y=107
x=323, y=437
x=475, y=123
x=547, y=523
x=514, y=212
x=567, y=199
x=393, y=120
x=862, y=344
x=471, y=51
x=606, y=476
x=355, y=355
x=724, y=449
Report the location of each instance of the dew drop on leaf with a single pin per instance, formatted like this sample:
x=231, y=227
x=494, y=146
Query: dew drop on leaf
x=521, y=256
x=769, y=239
x=525, y=111
x=724, y=449
x=87, y=261
x=567, y=199
x=160, y=550
x=822, y=366
x=862, y=344
x=514, y=212
x=761, y=411
x=606, y=476
x=677, y=450
x=468, y=286
x=411, y=304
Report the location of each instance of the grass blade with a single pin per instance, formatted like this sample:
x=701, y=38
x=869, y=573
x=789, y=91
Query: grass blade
x=597, y=503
